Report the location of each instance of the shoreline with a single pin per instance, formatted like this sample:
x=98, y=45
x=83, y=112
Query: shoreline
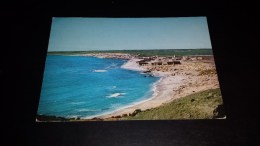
x=168, y=88
x=175, y=81
x=157, y=99
x=130, y=65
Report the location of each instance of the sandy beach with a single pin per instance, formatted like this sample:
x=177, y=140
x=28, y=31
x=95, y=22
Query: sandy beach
x=179, y=77
x=176, y=81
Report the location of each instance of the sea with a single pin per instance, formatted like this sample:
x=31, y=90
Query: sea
x=86, y=87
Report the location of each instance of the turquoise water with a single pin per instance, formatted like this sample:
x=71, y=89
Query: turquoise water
x=79, y=86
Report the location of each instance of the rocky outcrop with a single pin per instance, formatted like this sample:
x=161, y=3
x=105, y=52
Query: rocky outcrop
x=136, y=112
x=124, y=115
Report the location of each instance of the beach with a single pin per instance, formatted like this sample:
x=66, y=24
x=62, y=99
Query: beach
x=176, y=77
x=176, y=81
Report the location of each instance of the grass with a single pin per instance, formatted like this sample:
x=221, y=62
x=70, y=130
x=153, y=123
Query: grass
x=196, y=106
x=154, y=52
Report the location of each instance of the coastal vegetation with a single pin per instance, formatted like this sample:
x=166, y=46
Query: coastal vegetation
x=202, y=105
x=143, y=53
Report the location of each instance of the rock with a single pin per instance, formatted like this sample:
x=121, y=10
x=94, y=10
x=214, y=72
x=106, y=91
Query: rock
x=148, y=71
x=118, y=116
x=136, y=112
x=124, y=115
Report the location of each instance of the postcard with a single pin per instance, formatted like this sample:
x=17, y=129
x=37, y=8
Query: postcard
x=115, y=69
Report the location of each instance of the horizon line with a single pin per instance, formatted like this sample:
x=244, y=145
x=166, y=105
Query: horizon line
x=129, y=50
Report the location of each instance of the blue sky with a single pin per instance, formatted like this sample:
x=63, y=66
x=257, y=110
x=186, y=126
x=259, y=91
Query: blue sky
x=79, y=34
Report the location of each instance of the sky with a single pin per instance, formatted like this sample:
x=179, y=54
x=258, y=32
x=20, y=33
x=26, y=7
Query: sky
x=83, y=34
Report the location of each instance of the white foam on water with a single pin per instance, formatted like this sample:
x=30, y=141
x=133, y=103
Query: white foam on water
x=113, y=65
x=114, y=95
x=86, y=110
x=99, y=70
x=73, y=116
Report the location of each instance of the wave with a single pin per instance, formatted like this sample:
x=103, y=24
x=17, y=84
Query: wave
x=87, y=110
x=99, y=70
x=113, y=65
x=73, y=116
x=114, y=95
